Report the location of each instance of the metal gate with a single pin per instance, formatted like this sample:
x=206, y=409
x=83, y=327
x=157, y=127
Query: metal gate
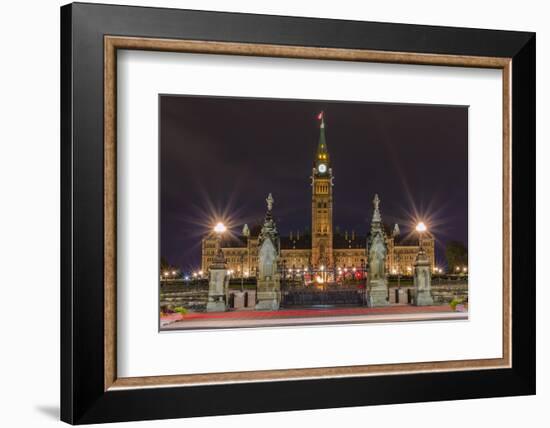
x=318, y=297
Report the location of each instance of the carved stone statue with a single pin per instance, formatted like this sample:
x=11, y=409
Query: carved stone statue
x=377, y=258
x=270, y=201
x=377, y=286
x=376, y=217
x=376, y=203
x=267, y=256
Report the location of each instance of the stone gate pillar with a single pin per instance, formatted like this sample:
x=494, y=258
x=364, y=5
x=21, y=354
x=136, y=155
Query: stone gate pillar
x=422, y=280
x=218, y=282
x=268, y=293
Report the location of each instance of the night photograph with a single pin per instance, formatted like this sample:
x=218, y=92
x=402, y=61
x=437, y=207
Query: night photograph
x=302, y=212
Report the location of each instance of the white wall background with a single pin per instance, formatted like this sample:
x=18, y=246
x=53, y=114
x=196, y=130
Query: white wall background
x=29, y=213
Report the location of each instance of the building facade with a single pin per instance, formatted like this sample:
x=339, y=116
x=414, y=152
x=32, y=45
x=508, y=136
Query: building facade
x=320, y=248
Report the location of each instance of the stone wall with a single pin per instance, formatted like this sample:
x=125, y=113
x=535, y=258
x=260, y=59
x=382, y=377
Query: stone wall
x=173, y=295
x=442, y=293
x=194, y=296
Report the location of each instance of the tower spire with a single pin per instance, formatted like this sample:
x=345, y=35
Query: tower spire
x=322, y=155
x=321, y=203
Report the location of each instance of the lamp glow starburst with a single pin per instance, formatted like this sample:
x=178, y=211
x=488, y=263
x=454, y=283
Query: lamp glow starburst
x=220, y=228
x=421, y=227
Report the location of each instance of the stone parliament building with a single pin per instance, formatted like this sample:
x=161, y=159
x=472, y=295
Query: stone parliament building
x=319, y=248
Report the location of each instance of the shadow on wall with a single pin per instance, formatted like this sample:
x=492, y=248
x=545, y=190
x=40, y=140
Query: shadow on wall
x=49, y=410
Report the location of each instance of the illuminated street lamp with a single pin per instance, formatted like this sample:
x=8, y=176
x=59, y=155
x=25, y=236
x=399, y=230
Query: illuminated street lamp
x=220, y=228
x=421, y=229
x=219, y=259
x=323, y=277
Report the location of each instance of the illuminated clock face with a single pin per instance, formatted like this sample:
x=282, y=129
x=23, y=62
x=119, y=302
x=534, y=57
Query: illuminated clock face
x=322, y=168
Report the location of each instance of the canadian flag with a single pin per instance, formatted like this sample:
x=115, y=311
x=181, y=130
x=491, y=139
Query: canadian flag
x=320, y=115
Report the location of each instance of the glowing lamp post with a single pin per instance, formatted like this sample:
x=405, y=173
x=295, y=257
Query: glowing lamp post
x=218, y=276
x=323, y=278
x=219, y=259
x=220, y=228
x=421, y=229
x=422, y=274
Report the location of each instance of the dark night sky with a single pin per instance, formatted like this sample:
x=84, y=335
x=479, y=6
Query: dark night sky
x=224, y=155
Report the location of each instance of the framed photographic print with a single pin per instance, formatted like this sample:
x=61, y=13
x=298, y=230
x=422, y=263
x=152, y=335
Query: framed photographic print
x=265, y=213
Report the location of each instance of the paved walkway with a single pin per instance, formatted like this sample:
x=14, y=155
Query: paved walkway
x=309, y=316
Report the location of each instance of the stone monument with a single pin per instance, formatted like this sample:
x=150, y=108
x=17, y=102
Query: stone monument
x=377, y=285
x=268, y=294
x=422, y=279
x=218, y=281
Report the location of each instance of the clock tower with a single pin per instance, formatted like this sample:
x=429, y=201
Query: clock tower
x=321, y=204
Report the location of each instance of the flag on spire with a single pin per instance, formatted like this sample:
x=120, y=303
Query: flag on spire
x=321, y=117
